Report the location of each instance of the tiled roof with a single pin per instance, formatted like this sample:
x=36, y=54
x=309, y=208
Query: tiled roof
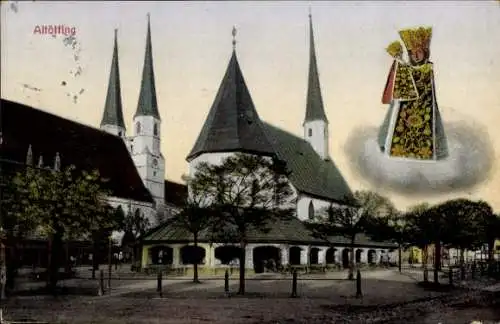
x=232, y=123
x=310, y=174
x=85, y=147
x=113, y=113
x=291, y=231
x=148, y=105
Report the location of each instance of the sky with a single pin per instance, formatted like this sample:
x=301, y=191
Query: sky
x=192, y=47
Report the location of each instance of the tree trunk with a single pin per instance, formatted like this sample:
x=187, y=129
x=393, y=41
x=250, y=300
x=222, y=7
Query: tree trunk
x=49, y=259
x=400, y=257
x=95, y=262
x=243, y=245
x=462, y=264
x=55, y=253
x=351, y=259
x=491, y=252
x=437, y=260
x=425, y=256
x=68, y=261
x=195, y=263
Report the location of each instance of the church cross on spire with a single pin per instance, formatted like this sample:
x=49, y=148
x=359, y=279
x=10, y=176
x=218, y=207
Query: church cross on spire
x=234, y=37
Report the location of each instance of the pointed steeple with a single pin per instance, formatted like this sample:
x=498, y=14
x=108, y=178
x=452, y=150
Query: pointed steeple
x=113, y=113
x=147, y=105
x=29, y=156
x=314, y=106
x=232, y=125
x=57, y=162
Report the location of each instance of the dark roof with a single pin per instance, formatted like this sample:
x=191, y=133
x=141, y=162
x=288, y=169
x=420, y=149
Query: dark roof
x=314, y=106
x=148, y=105
x=310, y=173
x=85, y=147
x=175, y=193
x=113, y=113
x=232, y=123
x=283, y=231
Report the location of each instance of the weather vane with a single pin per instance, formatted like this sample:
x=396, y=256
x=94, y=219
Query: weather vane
x=234, y=37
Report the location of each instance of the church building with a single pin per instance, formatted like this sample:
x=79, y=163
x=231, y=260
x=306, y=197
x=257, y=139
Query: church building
x=233, y=126
x=145, y=141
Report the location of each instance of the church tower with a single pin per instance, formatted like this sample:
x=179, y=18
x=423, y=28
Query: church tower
x=315, y=123
x=112, y=118
x=145, y=142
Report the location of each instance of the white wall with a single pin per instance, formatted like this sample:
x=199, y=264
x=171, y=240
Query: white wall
x=115, y=130
x=145, y=137
x=146, y=208
x=319, y=139
x=303, y=206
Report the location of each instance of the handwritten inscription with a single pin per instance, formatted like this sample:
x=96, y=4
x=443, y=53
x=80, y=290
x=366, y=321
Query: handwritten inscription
x=54, y=30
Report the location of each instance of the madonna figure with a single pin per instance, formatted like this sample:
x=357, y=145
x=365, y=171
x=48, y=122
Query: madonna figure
x=412, y=128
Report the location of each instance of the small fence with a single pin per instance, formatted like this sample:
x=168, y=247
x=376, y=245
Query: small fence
x=455, y=274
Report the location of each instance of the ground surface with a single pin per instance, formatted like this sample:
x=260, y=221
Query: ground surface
x=322, y=299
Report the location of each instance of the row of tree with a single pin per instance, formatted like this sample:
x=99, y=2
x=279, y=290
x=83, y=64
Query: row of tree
x=247, y=193
x=59, y=205
x=228, y=202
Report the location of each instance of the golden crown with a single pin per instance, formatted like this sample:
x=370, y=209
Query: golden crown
x=416, y=38
x=394, y=49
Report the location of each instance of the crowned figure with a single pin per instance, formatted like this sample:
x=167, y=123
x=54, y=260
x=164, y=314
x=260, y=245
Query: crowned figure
x=412, y=127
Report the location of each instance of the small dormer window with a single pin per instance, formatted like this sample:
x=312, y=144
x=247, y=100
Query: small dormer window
x=311, y=210
x=138, y=128
x=310, y=132
x=155, y=130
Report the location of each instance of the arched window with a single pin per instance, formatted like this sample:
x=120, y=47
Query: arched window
x=155, y=129
x=138, y=128
x=311, y=210
x=310, y=132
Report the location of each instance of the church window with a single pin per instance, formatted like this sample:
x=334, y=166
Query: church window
x=311, y=210
x=138, y=128
x=119, y=133
x=310, y=132
x=155, y=130
x=131, y=148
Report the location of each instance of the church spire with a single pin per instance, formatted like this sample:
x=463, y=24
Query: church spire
x=113, y=113
x=314, y=105
x=232, y=125
x=147, y=105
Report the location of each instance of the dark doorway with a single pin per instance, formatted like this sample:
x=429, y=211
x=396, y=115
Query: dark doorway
x=266, y=258
x=191, y=254
x=162, y=255
x=227, y=253
x=372, y=257
x=358, y=255
x=314, y=256
x=345, y=258
x=331, y=256
x=294, y=257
